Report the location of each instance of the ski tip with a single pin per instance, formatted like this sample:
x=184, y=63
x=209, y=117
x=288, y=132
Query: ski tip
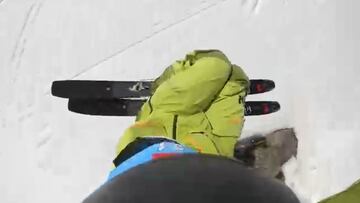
x=56, y=90
x=270, y=107
x=275, y=106
x=258, y=86
x=61, y=88
x=256, y=108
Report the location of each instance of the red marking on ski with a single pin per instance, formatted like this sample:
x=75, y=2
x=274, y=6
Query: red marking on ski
x=266, y=108
x=259, y=88
x=163, y=155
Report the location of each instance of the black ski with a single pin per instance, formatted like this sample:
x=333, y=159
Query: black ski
x=130, y=107
x=92, y=89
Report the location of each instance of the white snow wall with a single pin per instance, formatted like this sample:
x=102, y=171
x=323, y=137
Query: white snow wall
x=309, y=47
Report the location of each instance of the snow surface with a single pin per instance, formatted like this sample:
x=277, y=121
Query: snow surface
x=309, y=47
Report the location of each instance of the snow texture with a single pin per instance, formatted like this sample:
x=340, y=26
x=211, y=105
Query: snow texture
x=309, y=47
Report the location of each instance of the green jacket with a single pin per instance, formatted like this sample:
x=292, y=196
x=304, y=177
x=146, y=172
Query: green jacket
x=198, y=101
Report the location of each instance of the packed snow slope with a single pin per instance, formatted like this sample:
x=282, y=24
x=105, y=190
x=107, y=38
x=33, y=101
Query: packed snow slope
x=309, y=47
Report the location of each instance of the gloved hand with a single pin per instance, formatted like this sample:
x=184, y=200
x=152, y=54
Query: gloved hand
x=244, y=148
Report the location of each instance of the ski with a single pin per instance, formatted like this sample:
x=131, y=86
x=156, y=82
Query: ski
x=130, y=107
x=101, y=89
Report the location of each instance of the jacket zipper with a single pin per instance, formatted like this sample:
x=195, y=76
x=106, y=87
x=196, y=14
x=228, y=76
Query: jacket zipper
x=150, y=105
x=174, y=127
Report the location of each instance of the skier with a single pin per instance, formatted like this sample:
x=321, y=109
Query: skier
x=197, y=106
x=197, y=102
